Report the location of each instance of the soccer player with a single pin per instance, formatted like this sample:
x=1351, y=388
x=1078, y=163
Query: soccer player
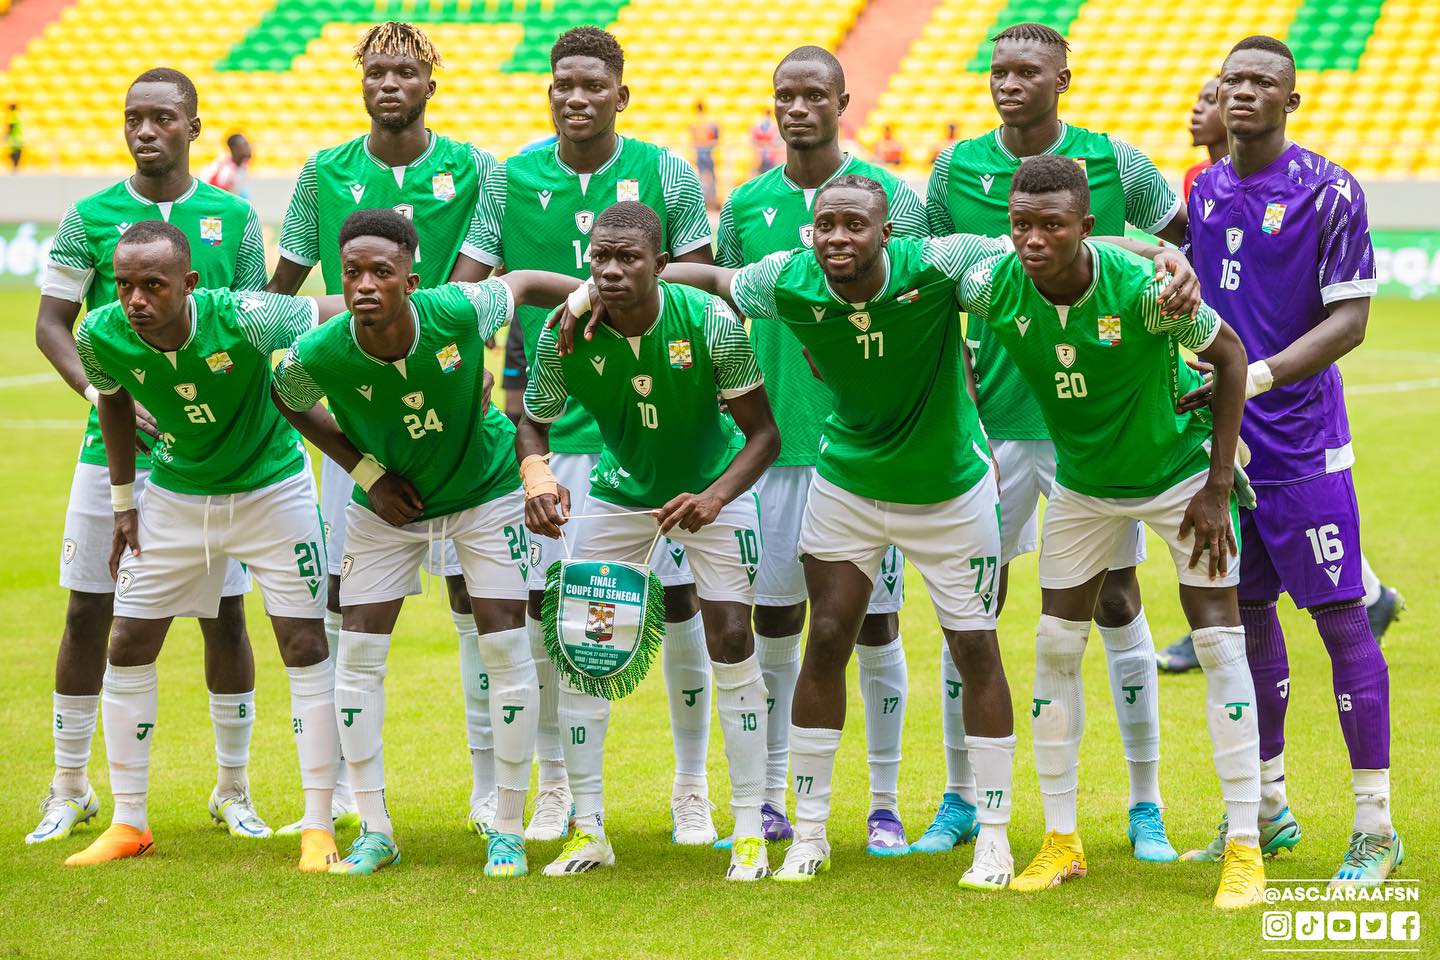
x=229, y=480
x=435, y=182
x=538, y=210
x=1280, y=238
x=968, y=190
x=770, y=214
x=1082, y=325
x=650, y=379
x=403, y=374
x=161, y=122
x=1207, y=130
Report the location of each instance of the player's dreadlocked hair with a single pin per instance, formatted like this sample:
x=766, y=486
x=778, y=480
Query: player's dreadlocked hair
x=1036, y=32
x=854, y=181
x=397, y=39
x=632, y=215
x=189, y=99
x=589, y=42
x=148, y=231
x=1049, y=173
x=812, y=54
x=383, y=223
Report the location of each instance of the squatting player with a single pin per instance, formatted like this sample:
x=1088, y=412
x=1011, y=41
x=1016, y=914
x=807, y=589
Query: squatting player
x=1280, y=238
x=229, y=480
x=767, y=215
x=650, y=377
x=538, y=210
x=161, y=121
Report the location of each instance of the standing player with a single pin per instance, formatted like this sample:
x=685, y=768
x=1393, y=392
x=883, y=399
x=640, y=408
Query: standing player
x=1280, y=238
x=161, y=121
x=403, y=374
x=537, y=212
x=435, y=182
x=968, y=191
x=770, y=214
x=1082, y=324
x=650, y=379
x=229, y=480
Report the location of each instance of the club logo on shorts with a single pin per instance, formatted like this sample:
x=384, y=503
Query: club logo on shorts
x=1108, y=330
x=414, y=400
x=1274, y=217
x=67, y=550
x=861, y=320
x=346, y=562
x=1233, y=236
x=642, y=384
x=534, y=553
x=124, y=582
x=220, y=362
x=680, y=357
x=584, y=220
x=1065, y=354
x=627, y=190
x=443, y=186
x=186, y=390
x=449, y=357
x=211, y=230
x=325, y=528
x=807, y=235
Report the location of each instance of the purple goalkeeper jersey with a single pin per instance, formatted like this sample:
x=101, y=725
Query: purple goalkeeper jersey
x=1272, y=251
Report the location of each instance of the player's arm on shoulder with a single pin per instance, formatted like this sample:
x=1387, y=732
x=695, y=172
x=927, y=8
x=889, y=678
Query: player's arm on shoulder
x=936, y=212
x=956, y=254
x=547, y=503
x=750, y=291
x=1178, y=285
x=687, y=224
x=1150, y=202
x=299, y=234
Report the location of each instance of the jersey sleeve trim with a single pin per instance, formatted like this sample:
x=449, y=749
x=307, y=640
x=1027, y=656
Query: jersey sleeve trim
x=301, y=259
x=494, y=304
x=753, y=288
x=94, y=372
x=1164, y=221
x=687, y=225
x=293, y=383
x=250, y=258
x=693, y=245
x=1349, y=290
x=484, y=243
x=300, y=231
x=545, y=393
x=731, y=394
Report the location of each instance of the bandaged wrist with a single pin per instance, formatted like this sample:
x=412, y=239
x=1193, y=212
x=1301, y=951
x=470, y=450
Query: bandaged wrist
x=92, y=396
x=122, y=497
x=578, y=303
x=537, y=477
x=1258, y=379
x=366, y=472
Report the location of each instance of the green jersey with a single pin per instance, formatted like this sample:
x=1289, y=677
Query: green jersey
x=227, y=249
x=771, y=214
x=536, y=213
x=220, y=433
x=1106, y=371
x=904, y=429
x=970, y=190
x=439, y=191
x=419, y=415
x=653, y=397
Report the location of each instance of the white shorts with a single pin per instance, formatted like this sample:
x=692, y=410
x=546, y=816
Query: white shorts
x=1083, y=533
x=185, y=540
x=781, y=581
x=1027, y=473
x=572, y=471
x=382, y=563
x=725, y=555
x=955, y=544
x=336, y=490
x=90, y=527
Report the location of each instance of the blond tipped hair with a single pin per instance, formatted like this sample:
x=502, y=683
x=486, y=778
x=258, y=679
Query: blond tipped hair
x=397, y=39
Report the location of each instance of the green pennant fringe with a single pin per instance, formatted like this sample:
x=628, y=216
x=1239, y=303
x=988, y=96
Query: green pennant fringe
x=647, y=647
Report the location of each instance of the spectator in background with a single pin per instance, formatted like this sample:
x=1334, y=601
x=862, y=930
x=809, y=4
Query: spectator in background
x=765, y=137
x=705, y=134
x=889, y=151
x=14, y=139
x=228, y=170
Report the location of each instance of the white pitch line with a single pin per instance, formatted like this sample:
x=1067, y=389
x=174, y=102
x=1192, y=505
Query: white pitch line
x=1399, y=386
x=27, y=379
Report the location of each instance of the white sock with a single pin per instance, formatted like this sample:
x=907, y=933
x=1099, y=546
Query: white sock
x=1058, y=717
x=812, y=759
x=548, y=748
x=1370, y=580
x=74, y=729
x=884, y=687
x=343, y=796
x=1272, y=786
x=514, y=716
x=685, y=663
x=585, y=720
x=1134, y=685
x=1234, y=731
x=779, y=667
x=233, y=716
x=742, y=698
x=130, y=703
x=475, y=685
x=360, y=712
x=959, y=777
x=1372, y=801
x=317, y=739
x=994, y=760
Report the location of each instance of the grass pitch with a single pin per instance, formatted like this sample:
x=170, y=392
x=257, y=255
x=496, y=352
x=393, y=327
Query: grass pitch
x=207, y=894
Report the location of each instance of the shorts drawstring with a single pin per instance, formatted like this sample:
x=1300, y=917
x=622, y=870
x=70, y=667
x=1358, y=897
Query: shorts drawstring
x=205, y=525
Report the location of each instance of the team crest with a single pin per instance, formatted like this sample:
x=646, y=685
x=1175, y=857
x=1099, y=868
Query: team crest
x=186, y=390
x=627, y=190
x=443, y=186
x=534, y=553
x=600, y=623
x=680, y=357
x=861, y=320
x=346, y=562
x=211, y=230
x=642, y=384
x=1274, y=217
x=584, y=220
x=124, y=582
x=449, y=357
x=807, y=235
x=414, y=400
x=1065, y=354
x=406, y=210
x=67, y=550
x=1109, y=330
x=220, y=362
x=1233, y=236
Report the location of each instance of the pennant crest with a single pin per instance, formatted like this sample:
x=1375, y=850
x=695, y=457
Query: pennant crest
x=1065, y=354
x=584, y=220
x=1233, y=236
x=220, y=362
x=1080, y=162
x=414, y=400
x=603, y=624
x=449, y=357
x=680, y=357
x=212, y=230
x=186, y=390
x=642, y=384
x=909, y=296
x=627, y=190
x=443, y=186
